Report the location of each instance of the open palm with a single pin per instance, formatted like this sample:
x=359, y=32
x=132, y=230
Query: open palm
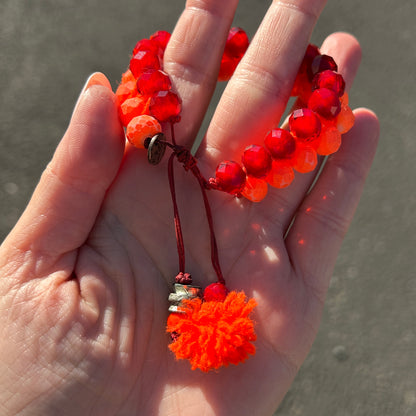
x=87, y=270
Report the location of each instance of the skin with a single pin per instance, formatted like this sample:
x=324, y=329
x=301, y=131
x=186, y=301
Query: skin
x=86, y=271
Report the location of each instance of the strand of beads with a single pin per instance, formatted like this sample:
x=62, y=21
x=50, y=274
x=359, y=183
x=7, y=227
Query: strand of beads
x=145, y=98
x=314, y=129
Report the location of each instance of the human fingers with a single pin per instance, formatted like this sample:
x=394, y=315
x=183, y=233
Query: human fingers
x=192, y=59
x=326, y=213
x=68, y=197
x=281, y=204
x=256, y=95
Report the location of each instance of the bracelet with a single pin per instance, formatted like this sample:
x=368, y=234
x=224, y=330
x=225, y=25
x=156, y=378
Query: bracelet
x=212, y=327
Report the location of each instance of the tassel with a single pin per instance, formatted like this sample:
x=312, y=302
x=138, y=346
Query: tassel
x=212, y=334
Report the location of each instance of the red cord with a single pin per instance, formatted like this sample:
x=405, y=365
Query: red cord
x=190, y=163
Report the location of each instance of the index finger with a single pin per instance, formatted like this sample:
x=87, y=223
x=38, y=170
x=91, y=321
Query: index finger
x=256, y=96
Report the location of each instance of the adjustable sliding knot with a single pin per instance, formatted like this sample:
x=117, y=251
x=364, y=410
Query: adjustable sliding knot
x=183, y=278
x=185, y=157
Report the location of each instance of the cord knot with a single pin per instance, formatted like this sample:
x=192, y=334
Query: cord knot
x=185, y=157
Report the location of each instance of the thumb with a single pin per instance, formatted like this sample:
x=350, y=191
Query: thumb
x=66, y=201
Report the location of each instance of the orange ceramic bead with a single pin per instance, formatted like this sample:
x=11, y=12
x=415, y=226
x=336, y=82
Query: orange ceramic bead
x=140, y=128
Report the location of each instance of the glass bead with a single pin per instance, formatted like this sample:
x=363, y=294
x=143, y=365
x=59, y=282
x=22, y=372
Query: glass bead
x=235, y=47
x=305, y=124
x=142, y=61
x=125, y=90
x=161, y=37
x=321, y=63
x=133, y=107
x=146, y=45
x=345, y=119
x=329, y=141
x=280, y=144
x=165, y=106
x=305, y=159
x=329, y=79
x=152, y=81
x=257, y=161
x=325, y=102
x=127, y=76
x=281, y=174
x=230, y=177
x=255, y=189
x=237, y=43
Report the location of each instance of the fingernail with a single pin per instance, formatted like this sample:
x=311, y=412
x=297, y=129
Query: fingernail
x=97, y=78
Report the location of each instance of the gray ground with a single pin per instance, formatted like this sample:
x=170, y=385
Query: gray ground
x=363, y=361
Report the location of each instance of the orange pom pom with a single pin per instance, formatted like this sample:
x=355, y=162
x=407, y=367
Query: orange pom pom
x=214, y=333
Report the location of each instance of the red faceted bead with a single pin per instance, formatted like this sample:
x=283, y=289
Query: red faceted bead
x=237, y=43
x=215, y=292
x=302, y=83
x=280, y=143
x=235, y=47
x=311, y=52
x=152, y=81
x=230, y=177
x=305, y=124
x=161, y=37
x=227, y=68
x=146, y=45
x=325, y=102
x=165, y=106
x=257, y=161
x=142, y=61
x=321, y=63
x=331, y=80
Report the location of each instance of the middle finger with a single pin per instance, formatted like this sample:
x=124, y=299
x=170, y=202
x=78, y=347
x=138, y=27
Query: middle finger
x=256, y=95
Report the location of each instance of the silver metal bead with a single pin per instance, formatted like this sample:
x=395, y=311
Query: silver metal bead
x=182, y=292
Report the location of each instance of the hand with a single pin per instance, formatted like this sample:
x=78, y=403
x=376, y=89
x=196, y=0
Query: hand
x=86, y=272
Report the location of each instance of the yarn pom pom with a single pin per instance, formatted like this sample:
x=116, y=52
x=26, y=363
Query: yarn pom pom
x=214, y=333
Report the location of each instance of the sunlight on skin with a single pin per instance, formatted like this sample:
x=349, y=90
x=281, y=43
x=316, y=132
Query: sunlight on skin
x=271, y=254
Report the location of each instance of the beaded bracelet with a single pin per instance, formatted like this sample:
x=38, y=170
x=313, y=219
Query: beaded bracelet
x=212, y=328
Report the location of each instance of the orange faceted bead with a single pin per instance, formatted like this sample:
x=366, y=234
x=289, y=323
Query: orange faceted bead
x=133, y=107
x=255, y=189
x=127, y=76
x=305, y=159
x=126, y=90
x=281, y=174
x=329, y=141
x=140, y=128
x=344, y=99
x=345, y=119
